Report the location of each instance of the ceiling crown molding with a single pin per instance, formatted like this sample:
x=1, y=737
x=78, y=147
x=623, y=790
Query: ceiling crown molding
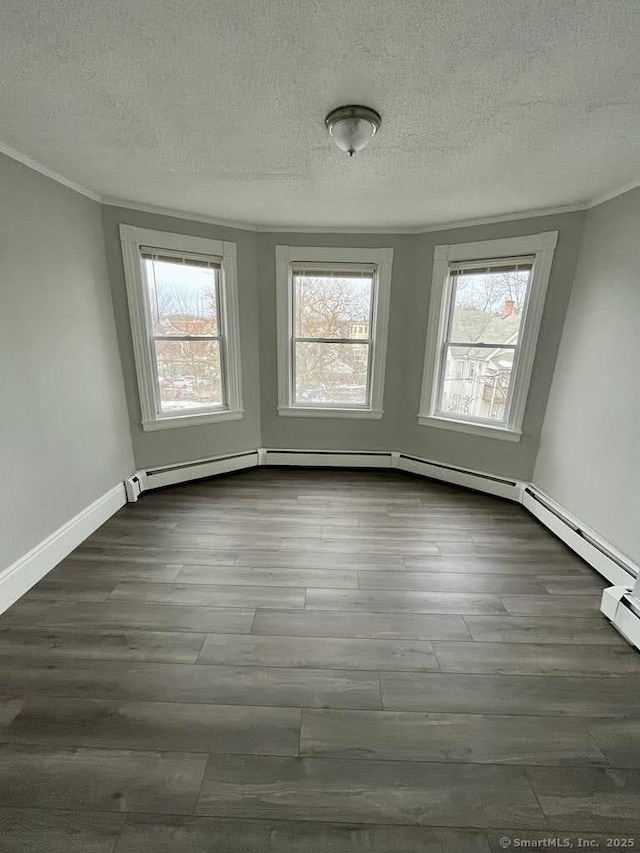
x=613, y=194
x=48, y=173
x=270, y=229
x=177, y=214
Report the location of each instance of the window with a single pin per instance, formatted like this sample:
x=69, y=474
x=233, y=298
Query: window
x=333, y=307
x=184, y=319
x=486, y=307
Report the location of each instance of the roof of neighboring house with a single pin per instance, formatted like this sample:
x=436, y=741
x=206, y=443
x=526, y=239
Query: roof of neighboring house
x=472, y=324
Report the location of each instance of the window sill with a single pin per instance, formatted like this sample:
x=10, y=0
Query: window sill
x=175, y=421
x=475, y=429
x=310, y=412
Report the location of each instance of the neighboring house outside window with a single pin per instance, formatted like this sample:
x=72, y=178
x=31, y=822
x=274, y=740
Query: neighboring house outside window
x=182, y=295
x=333, y=308
x=486, y=307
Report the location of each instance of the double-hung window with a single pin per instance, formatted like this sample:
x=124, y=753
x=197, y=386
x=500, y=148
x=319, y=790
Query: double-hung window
x=485, y=313
x=333, y=307
x=184, y=318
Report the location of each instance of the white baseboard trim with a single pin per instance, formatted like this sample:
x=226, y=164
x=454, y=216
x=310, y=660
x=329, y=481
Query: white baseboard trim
x=29, y=569
x=169, y=475
x=600, y=554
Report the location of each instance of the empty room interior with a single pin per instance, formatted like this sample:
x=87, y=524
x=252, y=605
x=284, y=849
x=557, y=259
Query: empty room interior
x=320, y=426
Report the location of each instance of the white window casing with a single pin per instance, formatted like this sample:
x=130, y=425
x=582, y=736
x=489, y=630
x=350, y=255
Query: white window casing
x=380, y=260
x=133, y=240
x=538, y=247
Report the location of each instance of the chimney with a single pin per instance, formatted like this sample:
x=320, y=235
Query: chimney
x=509, y=309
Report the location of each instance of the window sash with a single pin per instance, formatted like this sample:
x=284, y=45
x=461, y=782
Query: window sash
x=441, y=412
x=479, y=267
x=337, y=271
x=201, y=261
x=196, y=260
x=215, y=407
x=330, y=404
x=486, y=268
x=364, y=271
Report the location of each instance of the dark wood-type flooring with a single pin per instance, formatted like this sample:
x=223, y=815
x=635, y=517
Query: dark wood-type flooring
x=316, y=661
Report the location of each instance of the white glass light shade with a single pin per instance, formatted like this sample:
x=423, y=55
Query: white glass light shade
x=352, y=127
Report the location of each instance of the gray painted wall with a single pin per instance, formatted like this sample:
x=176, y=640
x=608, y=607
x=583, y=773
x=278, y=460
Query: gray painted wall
x=410, y=294
x=164, y=447
x=64, y=438
x=589, y=458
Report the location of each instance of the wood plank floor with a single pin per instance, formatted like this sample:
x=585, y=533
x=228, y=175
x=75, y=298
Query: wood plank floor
x=316, y=661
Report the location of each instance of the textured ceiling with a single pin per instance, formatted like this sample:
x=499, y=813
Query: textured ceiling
x=216, y=107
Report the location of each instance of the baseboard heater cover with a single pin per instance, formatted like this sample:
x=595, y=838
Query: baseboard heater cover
x=586, y=543
x=622, y=609
x=154, y=478
x=327, y=458
x=477, y=480
x=168, y=475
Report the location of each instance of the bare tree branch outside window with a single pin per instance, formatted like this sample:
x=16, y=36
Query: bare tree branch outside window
x=332, y=336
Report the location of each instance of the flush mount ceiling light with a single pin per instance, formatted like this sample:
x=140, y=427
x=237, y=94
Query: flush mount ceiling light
x=352, y=127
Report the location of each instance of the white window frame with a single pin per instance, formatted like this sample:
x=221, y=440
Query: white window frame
x=286, y=258
x=133, y=240
x=541, y=247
